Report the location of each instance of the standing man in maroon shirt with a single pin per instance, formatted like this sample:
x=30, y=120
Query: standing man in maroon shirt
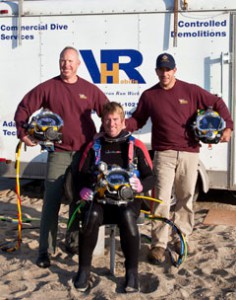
x=172, y=104
x=73, y=99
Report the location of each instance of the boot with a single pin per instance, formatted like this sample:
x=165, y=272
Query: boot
x=156, y=255
x=43, y=260
x=131, y=281
x=81, y=281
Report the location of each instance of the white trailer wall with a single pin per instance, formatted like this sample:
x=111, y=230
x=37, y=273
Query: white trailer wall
x=135, y=32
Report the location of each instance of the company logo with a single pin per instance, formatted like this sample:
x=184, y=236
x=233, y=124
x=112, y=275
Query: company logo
x=183, y=101
x=114, y=64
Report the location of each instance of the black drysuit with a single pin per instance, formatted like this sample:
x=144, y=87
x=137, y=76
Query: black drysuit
x=94, y=214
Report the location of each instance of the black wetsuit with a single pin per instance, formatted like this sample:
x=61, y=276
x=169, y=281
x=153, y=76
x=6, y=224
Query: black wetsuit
x=113, y=151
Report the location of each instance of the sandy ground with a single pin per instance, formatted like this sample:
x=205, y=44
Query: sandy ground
x=209, y=272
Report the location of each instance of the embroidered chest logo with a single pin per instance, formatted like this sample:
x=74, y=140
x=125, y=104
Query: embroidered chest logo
x=183, y=101
x=82, y=96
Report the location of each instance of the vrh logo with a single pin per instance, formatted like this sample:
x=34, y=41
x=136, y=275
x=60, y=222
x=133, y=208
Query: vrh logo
x=111, y=66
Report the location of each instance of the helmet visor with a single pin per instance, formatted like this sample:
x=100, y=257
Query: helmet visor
x=118, y=177
x=211, y=123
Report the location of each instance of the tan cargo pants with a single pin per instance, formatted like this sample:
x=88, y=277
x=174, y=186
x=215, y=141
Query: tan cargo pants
x=176, y=169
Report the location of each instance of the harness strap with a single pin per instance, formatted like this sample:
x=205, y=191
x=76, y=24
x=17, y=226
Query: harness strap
x=97, y=150
x=131, y=150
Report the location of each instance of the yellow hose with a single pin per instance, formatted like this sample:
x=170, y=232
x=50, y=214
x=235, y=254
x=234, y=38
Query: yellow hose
x=149, y=198
x=18, y=152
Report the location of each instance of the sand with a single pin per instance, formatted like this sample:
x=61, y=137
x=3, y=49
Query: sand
x=209, y=272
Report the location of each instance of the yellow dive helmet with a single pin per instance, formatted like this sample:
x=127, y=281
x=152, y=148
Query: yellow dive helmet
x=209, y=126
x=113, y=185
x=45, y=127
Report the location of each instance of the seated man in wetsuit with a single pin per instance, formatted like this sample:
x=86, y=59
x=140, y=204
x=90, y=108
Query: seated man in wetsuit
x=114, y=168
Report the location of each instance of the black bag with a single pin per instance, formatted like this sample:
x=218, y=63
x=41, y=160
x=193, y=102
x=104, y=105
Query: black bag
x=68, y=192
x=71, y=181
x=70, y=196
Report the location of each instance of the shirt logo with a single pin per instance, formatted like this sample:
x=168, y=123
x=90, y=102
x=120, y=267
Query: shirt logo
x=82, y=96
x=183, y=101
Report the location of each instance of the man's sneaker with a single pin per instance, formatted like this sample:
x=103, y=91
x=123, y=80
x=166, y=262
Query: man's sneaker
x=43, y=260
x=178, y=247
x=81, y=281
x=156, y=255
x=131, y=282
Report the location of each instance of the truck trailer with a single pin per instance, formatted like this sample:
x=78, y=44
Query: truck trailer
x=118, y=42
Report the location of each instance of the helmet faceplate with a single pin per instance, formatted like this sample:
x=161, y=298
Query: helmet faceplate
x=209, y=126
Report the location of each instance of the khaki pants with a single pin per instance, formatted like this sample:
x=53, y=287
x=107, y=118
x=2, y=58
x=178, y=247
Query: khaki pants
x=178, y=169
x=56, y=166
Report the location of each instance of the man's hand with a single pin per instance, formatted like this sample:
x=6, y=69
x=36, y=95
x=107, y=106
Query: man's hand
x=226, y=135
x=28, y=141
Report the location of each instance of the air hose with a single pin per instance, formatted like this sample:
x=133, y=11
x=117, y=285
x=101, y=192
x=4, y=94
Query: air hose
x=183, y=245
x=9, y=246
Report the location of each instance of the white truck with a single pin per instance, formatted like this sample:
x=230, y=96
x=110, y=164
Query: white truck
x=118, y=43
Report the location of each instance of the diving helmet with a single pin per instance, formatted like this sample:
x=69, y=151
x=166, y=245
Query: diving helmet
x=209, y=126
x=45, y=127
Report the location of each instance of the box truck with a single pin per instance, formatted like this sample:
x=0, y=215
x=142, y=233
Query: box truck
x=118, y=42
